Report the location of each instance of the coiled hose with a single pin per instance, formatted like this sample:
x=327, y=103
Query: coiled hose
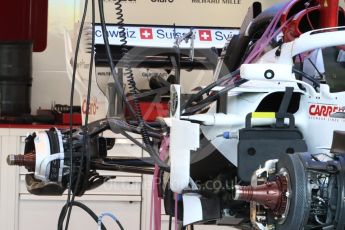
x=132, y=85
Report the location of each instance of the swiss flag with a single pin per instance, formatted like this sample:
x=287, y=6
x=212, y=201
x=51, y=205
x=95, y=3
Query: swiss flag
x=205, y=35
x=146, y=33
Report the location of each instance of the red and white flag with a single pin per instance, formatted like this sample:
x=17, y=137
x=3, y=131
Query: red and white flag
x=205, y=35
x=146, y=33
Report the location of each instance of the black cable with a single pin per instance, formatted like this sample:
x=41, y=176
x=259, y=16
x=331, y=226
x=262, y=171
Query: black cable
x=77, y=184
x=137, y=130
x=170, y=222
x=312, y=63
x=87, y=150
x=207, y=101
x=83, y=207
x=117, y=126
x=310, y=78
x=300, y=65
x=178, y=64
x=119, y=90
x=134, y=140
x=91, y=64
x=122, y=168
x=209, y=87
x=146, y=139
x=154, y=129
x=129, y=72
x=159, y=91
x=119, y=224
x=76, y=187
x=75, y=61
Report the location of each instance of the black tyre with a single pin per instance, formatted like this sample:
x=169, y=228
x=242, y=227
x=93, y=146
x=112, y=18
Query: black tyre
x=298, y=212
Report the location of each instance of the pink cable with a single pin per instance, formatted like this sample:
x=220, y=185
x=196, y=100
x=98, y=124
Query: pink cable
x=269, y=33
x=259, y=52
x=265, y=39
x=156, y=209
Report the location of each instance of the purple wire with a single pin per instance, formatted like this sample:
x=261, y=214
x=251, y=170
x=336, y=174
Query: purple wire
x=265, y=39
x=155, y=215
x=268, y=35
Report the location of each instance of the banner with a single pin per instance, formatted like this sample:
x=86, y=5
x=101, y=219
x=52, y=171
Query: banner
x=165, y=37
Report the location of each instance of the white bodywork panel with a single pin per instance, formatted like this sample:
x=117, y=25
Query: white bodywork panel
x=192, y=209
x=240, y=104
x=313, y=117
x=184, y=137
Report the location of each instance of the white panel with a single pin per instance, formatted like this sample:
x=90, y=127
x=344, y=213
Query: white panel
x=192, y=209
x=8, y=185
x=49, y=87
x=184, y=136
x=312, y=40
x=146, y=202
x=129, y=186
x=266, y=72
